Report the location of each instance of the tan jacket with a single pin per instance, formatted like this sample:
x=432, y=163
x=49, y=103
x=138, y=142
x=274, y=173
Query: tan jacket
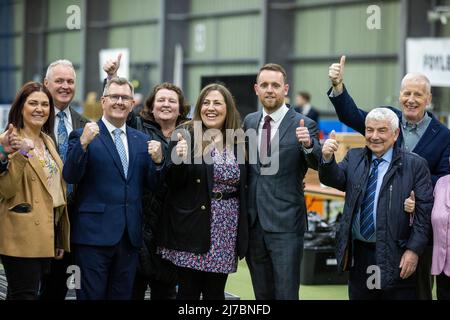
x=31, y=234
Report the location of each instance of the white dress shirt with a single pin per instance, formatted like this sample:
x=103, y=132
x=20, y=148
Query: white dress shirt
x=123, y=135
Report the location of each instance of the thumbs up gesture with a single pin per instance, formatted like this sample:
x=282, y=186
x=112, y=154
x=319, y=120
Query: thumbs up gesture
x=155, y=151
x=181, y=147
x=410, y=203
x=302, y=134
x=330, y=147
x=112, y=65
x=336, y=73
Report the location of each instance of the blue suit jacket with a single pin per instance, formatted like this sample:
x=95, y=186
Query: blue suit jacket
x=434, y=145
x=107, y=203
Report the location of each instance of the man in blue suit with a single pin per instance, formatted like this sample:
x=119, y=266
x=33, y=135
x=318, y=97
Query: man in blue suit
x=111, y=163
x=420, y=132
x=276, y=205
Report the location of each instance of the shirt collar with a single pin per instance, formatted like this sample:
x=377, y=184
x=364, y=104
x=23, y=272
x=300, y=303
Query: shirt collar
x=277, y=115
x=65, y=110
x=420, y=124
x=111, y=127
x=387, y=156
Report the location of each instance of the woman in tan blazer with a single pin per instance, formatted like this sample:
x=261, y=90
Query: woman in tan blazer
x=34, y=225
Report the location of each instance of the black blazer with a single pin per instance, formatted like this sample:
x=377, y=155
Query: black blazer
x=78, y=121
x=186, y=224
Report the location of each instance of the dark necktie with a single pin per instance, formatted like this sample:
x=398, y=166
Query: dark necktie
x=366, y=219
x=264, y=150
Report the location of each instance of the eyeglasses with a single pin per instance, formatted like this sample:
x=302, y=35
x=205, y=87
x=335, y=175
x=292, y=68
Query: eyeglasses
x=115, y=98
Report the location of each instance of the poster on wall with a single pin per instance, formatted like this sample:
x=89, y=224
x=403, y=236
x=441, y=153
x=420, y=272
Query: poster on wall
x=430, y=56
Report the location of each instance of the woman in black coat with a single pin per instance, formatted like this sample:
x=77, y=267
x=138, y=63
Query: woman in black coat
x=164, y=109
x=204, y=226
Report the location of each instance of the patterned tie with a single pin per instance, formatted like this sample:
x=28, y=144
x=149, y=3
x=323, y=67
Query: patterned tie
x=63, y=143
x=366, y=221
x=264, y=150
x=63, y=137
x=121, y=150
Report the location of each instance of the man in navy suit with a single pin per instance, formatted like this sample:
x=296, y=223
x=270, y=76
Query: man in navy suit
x=276, y=205
x=420, y=132
x=111, y=163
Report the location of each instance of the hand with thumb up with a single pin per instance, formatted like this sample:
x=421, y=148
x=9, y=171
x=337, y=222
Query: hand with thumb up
x=181, y=147
x=410, y=203
x=330, y=147
x=302, y=134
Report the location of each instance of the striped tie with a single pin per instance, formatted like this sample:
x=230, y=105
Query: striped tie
x=366, y=220
x=121, y=150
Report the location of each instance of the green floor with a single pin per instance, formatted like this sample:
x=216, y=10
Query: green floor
x=239, y=284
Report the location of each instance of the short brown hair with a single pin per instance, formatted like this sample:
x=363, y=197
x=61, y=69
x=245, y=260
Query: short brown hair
x=273, y=67
x=147, y=112
x=15, y=113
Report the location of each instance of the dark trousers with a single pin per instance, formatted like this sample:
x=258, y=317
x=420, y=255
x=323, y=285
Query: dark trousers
x=54, y=284
x=443, y=287
x=365, y=256
x=193, y=283
x=159, y=290
x=24, y=276
x=424, y=277
x=274, y=263
x=107, y=272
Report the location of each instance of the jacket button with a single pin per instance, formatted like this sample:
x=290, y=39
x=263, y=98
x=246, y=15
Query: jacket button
x=37, y=222
x=198, y=180
x=36, y=201
x=33, y=179
x=203, y=207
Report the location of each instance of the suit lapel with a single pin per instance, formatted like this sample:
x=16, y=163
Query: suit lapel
x=77, y=120
x=108, y=142
x=286, y=123
x=427, y=137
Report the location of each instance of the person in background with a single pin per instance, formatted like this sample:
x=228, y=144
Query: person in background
x=303, y=106
x=60, y=80
x=420, y=132
x=204, y=225
x=375, y=229
x=34, y=223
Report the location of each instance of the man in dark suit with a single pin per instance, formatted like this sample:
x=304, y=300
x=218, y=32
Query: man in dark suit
x=420, y=132
x=276, y=206
x=60, y=81
x=111, y=164
x=303, y=106
x=377, y=241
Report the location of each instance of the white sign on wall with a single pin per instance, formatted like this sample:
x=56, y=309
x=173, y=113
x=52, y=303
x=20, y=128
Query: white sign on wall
x=106, y=54
x=430, y=56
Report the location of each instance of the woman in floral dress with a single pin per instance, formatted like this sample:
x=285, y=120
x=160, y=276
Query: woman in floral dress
x=204, y=226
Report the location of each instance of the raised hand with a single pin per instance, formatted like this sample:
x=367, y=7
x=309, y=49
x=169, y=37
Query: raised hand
x=90, y=131
x=410, y=203
x=112, y=65
x=181, y=147
x=302, y=134
x=155, y=151
x=336, y=74
x=330, y=147
x=8, y=137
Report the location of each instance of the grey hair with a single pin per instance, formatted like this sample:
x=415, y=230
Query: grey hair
x=383, y=114
x=416, y=77
x=119, y=81
x=61, y=62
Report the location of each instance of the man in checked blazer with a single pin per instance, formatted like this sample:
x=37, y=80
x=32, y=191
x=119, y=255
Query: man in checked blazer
x=288, y=145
